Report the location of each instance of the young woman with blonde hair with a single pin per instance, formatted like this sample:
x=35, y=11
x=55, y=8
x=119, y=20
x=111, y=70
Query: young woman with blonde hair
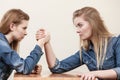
x=99, y=49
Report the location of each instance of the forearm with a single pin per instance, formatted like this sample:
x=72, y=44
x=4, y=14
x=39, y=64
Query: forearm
x=50, y=56
x=105, y=74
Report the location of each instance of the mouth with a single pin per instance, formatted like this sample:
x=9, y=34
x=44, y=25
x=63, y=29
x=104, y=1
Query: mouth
x=22, y=37
x=80, y=34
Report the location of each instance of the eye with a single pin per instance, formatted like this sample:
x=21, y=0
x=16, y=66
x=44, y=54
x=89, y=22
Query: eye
x=24, y=27
x=79, y=25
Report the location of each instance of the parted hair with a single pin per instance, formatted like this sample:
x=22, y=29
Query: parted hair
x=12, y=16
x=100, y=34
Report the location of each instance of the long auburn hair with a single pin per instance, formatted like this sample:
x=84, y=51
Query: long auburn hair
x=12, y=16
x=100, y=34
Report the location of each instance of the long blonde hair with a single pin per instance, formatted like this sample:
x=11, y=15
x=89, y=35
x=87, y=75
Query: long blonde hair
x=12, y=16
x=100, y=34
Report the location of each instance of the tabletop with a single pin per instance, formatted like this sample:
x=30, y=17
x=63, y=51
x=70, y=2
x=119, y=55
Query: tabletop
x=46, y=77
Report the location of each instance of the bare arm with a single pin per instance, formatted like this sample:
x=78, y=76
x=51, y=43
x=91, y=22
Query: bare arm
x=50, y=56
x=102, y=74
x=43, y=36
x=106, y=74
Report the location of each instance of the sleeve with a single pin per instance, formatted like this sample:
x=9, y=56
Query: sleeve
x=67, y=64
x=117, y=54
x=21, y=65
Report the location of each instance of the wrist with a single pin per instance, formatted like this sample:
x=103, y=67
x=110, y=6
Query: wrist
x=41, y=43
x=47, y=43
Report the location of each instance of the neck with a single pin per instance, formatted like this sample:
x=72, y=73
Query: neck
x=9, y=38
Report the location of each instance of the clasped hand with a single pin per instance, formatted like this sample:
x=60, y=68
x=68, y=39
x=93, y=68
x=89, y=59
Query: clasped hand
x=42, y=35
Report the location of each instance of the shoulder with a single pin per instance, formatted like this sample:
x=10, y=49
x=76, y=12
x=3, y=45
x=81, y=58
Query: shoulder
x=115, y=40
x=4, y=46
x=3, y=42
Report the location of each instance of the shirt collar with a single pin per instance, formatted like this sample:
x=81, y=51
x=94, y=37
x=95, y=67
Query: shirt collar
x=2, y=37
x=91, y=46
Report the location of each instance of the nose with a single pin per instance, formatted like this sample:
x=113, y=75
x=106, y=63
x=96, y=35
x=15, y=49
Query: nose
x=78, y=30
x=25, y=33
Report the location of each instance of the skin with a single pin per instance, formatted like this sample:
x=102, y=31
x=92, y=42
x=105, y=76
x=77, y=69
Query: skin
x=37, y=70
x=17, y=33
x=84, y=30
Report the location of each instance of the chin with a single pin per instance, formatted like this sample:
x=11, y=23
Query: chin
x=84, y=38
x=20, y=39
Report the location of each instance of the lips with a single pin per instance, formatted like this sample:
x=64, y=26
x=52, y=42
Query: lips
x=80, y=34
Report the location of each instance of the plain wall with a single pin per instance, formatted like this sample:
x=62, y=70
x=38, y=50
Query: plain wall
x=56, y=17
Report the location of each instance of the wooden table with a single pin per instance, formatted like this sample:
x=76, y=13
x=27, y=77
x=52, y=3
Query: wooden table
x=46, y=77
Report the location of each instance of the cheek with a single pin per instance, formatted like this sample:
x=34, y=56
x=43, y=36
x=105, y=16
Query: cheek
x=86, y=29
x=89, y=32
x=21, y=32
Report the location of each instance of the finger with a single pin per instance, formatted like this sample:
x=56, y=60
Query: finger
x=38, y=71
x=86, y=77
x=92, y=78
x=38, y=67
x=89, y=78
x=95, y=78
x=79, y=75
x=33, y=71
x=41, y=31
x=39, y=37
x=82, y=77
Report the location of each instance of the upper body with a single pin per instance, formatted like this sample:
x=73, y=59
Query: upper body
x=10, y=60
x=111, y=60
x=99, y=49
x=12, y=30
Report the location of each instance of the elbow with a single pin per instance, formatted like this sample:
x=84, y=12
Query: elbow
x=57, y=71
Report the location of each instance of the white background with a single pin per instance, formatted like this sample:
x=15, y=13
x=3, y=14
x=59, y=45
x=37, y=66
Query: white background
x=56, y=17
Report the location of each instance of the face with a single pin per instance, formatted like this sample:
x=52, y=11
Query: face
x=19, y=31
x=83, y=28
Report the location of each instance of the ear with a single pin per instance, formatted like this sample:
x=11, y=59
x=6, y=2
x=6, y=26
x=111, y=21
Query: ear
x=12, y=26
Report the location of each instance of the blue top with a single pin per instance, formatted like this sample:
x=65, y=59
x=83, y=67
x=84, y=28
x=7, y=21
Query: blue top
x=10, y=60
x=111, y=61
